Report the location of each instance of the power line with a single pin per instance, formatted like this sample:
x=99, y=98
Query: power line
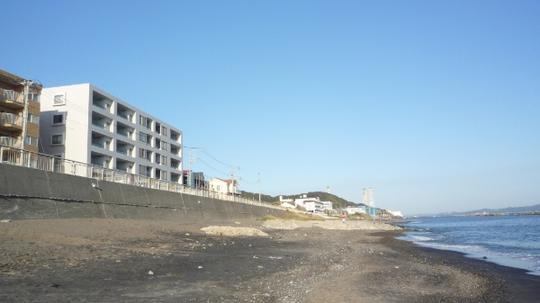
x=204, y=151
x=213, y=168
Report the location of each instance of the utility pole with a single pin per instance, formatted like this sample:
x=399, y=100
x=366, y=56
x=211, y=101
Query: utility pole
x=259, y=182
x=233, y=180
x=26, y=92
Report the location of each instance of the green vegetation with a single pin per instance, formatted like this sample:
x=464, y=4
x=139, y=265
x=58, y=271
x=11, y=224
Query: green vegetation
x=255, y=196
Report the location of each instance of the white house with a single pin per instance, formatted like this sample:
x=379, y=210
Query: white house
x=309, y=204
x=228, y=186
x=326, y=205
x=86, y=124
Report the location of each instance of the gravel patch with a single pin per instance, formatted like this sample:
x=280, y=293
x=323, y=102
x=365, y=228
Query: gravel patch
x=230, y=231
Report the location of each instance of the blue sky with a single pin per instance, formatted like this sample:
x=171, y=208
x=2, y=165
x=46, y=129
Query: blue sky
x=435, y=104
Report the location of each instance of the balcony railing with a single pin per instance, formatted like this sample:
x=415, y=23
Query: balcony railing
x=11, y=97
x=102, y=144
x=20, y=157
x=125, y=151
x=9, y=141
x=9, y=119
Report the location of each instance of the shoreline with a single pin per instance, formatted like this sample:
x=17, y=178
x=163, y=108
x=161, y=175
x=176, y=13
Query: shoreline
x=111, y=260
x=517, y=284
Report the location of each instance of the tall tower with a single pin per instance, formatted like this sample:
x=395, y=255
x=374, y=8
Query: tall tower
x=367, y=196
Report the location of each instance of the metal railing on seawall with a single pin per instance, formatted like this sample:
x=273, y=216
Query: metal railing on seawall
x=25, y=158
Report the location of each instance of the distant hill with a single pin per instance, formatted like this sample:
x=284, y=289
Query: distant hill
x=499, y=211
x=255, y=196
x=337, y=201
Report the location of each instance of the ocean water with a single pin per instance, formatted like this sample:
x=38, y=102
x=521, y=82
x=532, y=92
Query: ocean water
x=507, y=240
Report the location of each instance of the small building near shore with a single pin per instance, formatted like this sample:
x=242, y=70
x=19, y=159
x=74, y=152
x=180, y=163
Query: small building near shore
x=309, y=204
x=224, y=186
x=327, y=205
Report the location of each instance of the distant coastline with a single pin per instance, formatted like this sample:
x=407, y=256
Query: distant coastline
x=533, y=210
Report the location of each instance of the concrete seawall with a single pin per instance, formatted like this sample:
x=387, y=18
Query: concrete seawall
x=27, y=193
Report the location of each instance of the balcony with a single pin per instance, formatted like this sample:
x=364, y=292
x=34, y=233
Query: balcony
x=100, y=160
x=124, y=165
x=101, y=141
x=10, y=141
x=125, y=148
x=11, y=99
x=175, y=164
x=11, y=122
x=102, y=102
x=175, y=136
x=125, y=131
x=176, y=150
x=125, y=113
x=101, y=121
x=175, y=178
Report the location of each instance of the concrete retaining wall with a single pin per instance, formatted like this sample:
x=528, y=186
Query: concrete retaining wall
x=27, y=193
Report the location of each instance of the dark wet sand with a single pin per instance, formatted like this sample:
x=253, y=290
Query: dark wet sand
x=96, y=260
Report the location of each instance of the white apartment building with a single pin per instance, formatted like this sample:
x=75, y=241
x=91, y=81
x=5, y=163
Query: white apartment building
x=84, y=123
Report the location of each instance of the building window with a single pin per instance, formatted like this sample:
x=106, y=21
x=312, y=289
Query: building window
x=59, y=100
x=33, y=118
x=145, y=170
x=57, y=139
x=160, y=159
x=58, y=119
x=164, y=146
x=145, y=138
x=163, y=131
x=33, y=97
x=146, y=122
x=145, y=154
x=29, y=140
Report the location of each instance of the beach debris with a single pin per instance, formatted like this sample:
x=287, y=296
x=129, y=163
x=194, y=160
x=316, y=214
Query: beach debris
x=5, y=221
x=260, y=266
x=199, y=267
x=275, y=258
x=237, y=223
x=231, y=231
x=55, y=285
x=186, y=234
x=150, y=273
x=396, y=267
x=327, y=224
x=255, y=257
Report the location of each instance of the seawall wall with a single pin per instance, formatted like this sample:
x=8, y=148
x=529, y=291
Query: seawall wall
x=27, y=193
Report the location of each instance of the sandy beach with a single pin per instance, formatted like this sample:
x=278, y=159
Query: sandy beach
x=103, y=260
